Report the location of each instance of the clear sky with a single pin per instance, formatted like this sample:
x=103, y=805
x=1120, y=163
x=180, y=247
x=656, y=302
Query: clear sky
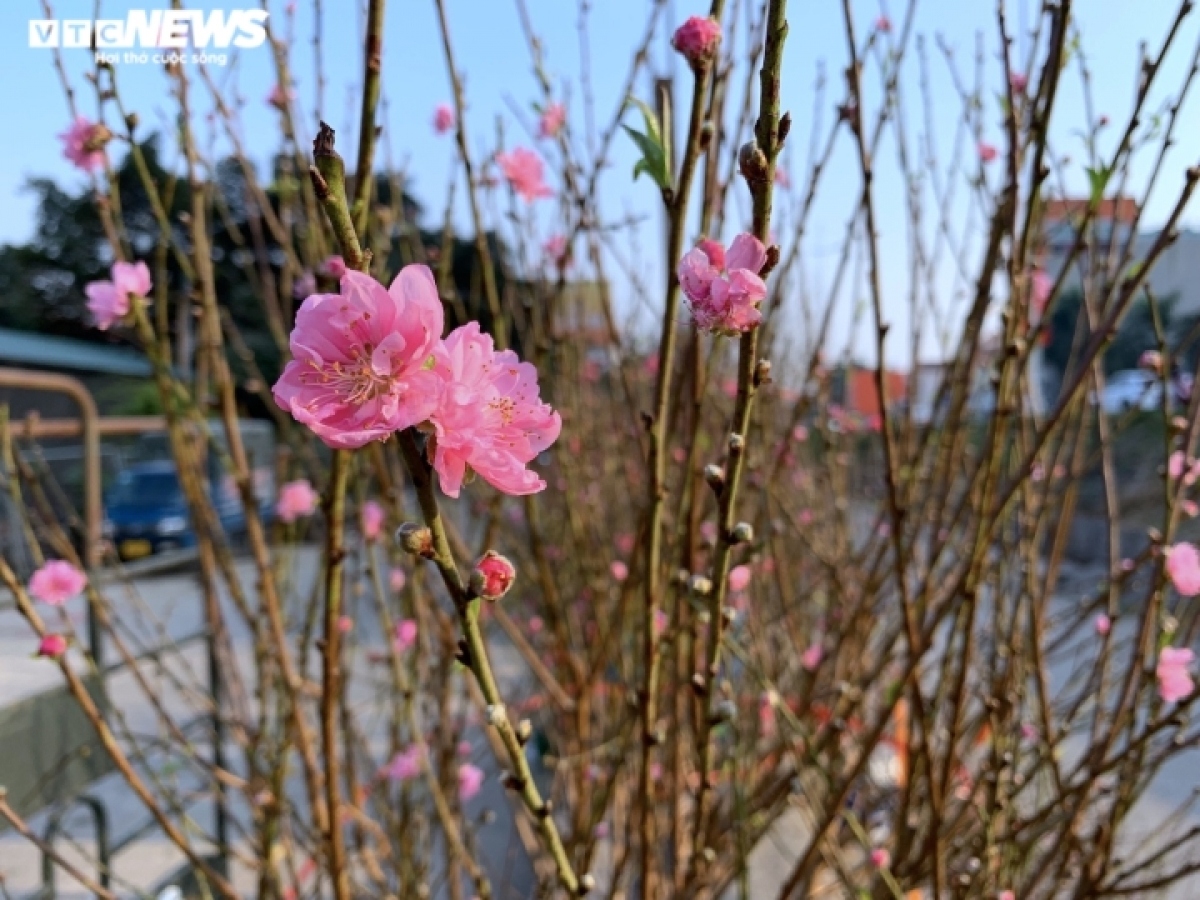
x=499, y=80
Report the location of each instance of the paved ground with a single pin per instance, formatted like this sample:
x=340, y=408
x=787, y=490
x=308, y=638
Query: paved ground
x=167, y=605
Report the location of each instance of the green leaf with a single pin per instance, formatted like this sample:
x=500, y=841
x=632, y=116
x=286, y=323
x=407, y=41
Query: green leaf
x=654, y=149
x=1098, y=178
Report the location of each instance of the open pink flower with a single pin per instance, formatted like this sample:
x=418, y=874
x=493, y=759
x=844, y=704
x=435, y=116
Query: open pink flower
x=52, y=646
x=697, y=39
x=470, y=780
x=1174, y=680
x=359, y=369
x=108, y=301
x=405, y=765
x=397, y=579
x=56, y=582
x=443, y=118
x=987, y=152
x=334, y=267
x=405, y=637
x=618, y=570
x=739, y=578
x=372, y=517
x=490, y=417
x=552, y=120
x=523, y=169
x=725, y=301
x=496, y=575
x=83, y=144
x=297, y=499
x=1183, y=568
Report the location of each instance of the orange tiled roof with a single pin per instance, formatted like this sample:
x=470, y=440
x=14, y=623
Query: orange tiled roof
x=1120, y=209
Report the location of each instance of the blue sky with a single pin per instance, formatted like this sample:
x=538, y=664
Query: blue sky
x=493, y=56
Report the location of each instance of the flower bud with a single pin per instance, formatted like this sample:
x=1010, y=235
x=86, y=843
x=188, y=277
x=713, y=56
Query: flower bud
x=743, y=533
x=762, y=372
x=701, y=585
x=52, y=646
x=752, y=163
x=415, y=539
x=493, y=576
x=697, y=39
x=715, y=476
x=737, y=443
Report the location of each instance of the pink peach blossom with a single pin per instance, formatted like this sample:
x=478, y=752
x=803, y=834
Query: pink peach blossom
x=696, y=40
x=725, y=301
x=345, y=624
x=661, y=621
x=1174, y=680
x=714, y=250
x=296, y=500
x=470, y=780
x=536, y=625
x=359, y=369
x=1190, y=509
x=405, y=636
x=1018, y=82
x=552, y=120
x=1006, y=895
x=496, y=575
x=880, y=857
x=334, y=267
x=987, y=152
x=52, y=646
x=443, y=118
x=618, y=570
x=83, y=144
x=1183, y=568
x=56, y=582
x=405, y=765
x=523, y=170
x=371, y=519
x=739, y=578
x=108, y=301
x=883, y=24
x=811, y=658
x=490, y=417
x=397, y=579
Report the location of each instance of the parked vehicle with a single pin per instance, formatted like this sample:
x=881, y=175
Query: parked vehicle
x=146, y=512
x=1132, y=389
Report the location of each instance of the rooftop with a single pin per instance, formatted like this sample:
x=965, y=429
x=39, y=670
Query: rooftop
x=24, y=348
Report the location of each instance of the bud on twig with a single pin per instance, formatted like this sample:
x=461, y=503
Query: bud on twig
x=743, y=533
x=736, y=443
x=701, y=585
x=715, y=476
x=524, y=731
x=492, y=576
x=752, y=163
x=762, y=372
x=415, y=539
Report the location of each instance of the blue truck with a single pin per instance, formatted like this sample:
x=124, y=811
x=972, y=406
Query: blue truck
x=145, y=511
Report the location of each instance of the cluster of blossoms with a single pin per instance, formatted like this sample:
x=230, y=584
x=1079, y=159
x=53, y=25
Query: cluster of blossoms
x=369, y=361
x=724, y=289
x=108, y=301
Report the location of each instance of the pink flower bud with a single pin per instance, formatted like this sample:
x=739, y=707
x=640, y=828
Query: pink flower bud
x=406, y=634
x=1103, y=624
x=397, y=579
x=493, y=576
x=443, y=118
x=345, y=624
x=987, y=152
x=880, y=858
x=470, y=780
x=52, y=646
x=697, y=40
x=618, y=570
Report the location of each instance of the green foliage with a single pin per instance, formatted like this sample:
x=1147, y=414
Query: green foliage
x=654, y=146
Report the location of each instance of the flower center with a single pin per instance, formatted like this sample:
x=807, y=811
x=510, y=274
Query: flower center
x=357, y=381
